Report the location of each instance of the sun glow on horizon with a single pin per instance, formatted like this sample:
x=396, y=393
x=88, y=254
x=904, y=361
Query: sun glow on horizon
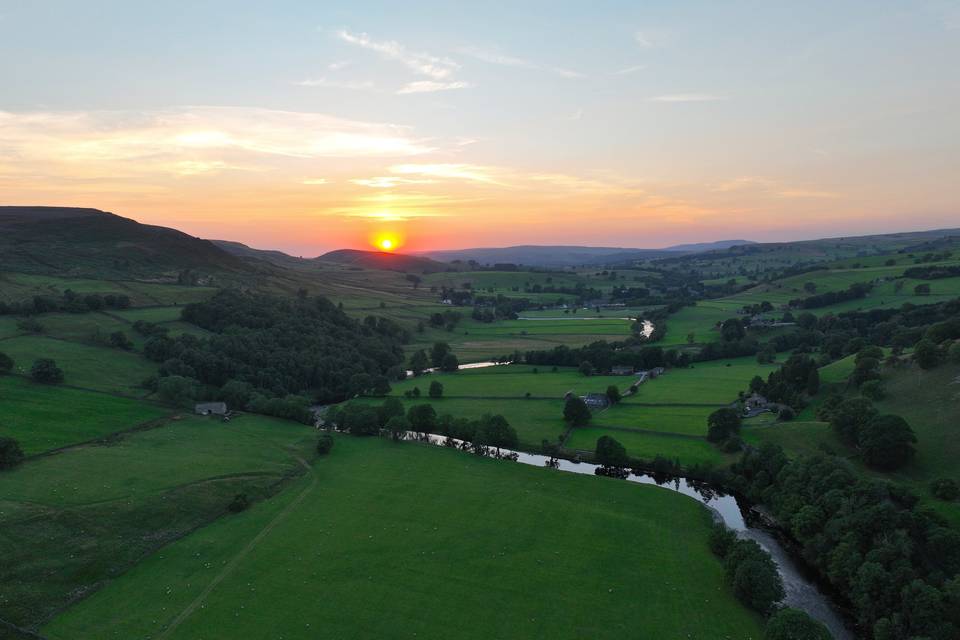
x=386, y=242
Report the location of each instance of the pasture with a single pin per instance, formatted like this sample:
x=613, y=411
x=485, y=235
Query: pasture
x=442, y=536
x=73, y=520
x=44, y=417
x=87, y=366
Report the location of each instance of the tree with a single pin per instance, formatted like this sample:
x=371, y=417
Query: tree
x=390, y=408
x=438, y=352
x=792, y=624
x=953, y=354
x=610, y=453
x=723, y=423
x=119, y=340
x=46, y=371
x=849, y=417
x=886, y=442
x=576, y=412
x=359, y=419
x=236, y=393
x=691, y=337
x=613, y=394
x=926, y=354
x=732, y=330
x=450, y=363
x=436, y=389
x=766, y=355
x=586, y=368
x=239, y=503
x=753, y=575
x=6, y=363
x=921, y=289
x=419, y=362
x=177, y=389
x=495, y=431
x=422, y=418
x=324, y=444
x=398, y=427
x=810, y=287
x=10, y=453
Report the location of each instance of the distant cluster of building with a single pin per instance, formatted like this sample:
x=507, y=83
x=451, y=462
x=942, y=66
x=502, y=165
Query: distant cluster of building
x=601, y=401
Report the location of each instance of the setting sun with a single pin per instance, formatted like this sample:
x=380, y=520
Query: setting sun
x=386, y=244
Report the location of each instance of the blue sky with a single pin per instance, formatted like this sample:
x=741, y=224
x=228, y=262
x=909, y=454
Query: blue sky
x=308, y=125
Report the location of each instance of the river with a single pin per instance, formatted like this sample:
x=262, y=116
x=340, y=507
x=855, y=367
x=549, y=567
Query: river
x=801, y=592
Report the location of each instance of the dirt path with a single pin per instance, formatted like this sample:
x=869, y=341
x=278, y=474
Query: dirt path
x=230, y=566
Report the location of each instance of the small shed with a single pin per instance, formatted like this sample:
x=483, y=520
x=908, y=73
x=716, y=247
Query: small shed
x=211, y=408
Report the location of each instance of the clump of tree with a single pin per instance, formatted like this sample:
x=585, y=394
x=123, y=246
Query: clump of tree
x=885, y=441
x=10, y=453
x=896, y=565
x=945, y=489
x=69, y=301
x=613, y=394
x=46, y=371
x=854, y=292
x=436, y=389
x=239, y=503
x=284, y=353
x=749, y=570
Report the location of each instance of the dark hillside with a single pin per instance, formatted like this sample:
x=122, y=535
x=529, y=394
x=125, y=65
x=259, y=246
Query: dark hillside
x=383, y=261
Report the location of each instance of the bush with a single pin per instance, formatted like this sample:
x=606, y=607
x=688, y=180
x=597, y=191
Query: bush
x=324, y=444
x=886, y=442
x=239, y=503
x=945, y=489
x=6, y=363
x=436, y=389
x=10, y=453
x=733, y=444
x=576, y=412
x=46, y=371
x=786, y=414
x=791, y=624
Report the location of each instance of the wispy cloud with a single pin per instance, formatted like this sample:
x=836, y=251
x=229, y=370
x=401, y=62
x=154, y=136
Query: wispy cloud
x=355, y=85
x=494, y=56
x=316, y=181
x=628, y=70
x=688, y=97
x=190, y=140
x=431, y=86
x=435, y=67
x=388, y=182
x=338, y=65
x=469, y=172
x=644, y=39
x=576, y=115
x=770, y=187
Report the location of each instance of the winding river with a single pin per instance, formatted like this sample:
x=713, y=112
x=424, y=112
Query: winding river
x=801, y=592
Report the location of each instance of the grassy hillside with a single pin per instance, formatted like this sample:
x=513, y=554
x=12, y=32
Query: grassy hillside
x=74, y=520
x=442, y=537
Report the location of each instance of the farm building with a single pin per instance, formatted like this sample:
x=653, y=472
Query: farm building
x=621, y=370
x=596, y=400
x=657, y=371
x=211, y=408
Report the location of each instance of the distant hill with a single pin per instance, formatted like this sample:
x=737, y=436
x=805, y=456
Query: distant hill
x=383, y=261
x=92, y=243
x=270, y=255
x=572, y=255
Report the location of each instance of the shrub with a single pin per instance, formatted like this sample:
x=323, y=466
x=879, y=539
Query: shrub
x=733, y=444
x=791, y=624
x=436, y=389
x=874, y=390
x=10, y=453
x=324, y=444
x=945, y=489
x=6, y=363
x=786, y=414
x=46, y=371
x=722, y=423
x=721, y=539
x=239, y=503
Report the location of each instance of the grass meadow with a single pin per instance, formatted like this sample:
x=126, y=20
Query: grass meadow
x=44, y=417
x=388, y=540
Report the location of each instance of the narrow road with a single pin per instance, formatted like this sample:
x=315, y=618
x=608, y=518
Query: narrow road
x=230, y=566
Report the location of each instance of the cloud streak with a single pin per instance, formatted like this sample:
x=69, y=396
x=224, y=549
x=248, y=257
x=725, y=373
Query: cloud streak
x=435, y=67
x=688, y=97
x=492, y=56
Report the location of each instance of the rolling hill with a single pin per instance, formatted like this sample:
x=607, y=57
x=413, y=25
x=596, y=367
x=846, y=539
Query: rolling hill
x=383, y=261
x=93, y=243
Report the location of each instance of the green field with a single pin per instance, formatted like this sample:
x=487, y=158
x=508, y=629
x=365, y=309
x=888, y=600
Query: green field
x=43, y=417
x=646, y=446
x=442, y=540
x=90, y=367
x=73, y=520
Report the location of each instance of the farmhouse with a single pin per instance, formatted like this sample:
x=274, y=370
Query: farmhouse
x=596, y=400
x=211, y=408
